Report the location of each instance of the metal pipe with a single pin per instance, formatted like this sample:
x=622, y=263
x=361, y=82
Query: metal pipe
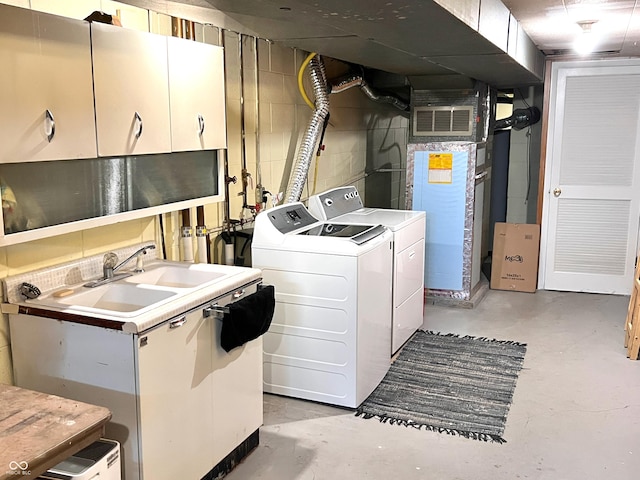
x=182, y=28
x=259, y=186
x=312, y=134
x=243, y=132
x=223, y=153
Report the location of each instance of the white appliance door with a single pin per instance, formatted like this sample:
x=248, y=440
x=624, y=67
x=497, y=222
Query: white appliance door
x=592, y=186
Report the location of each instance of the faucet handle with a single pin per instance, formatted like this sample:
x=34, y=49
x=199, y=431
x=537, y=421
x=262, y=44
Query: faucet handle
x=139, y=265
x=109, y=260
x=108, y=264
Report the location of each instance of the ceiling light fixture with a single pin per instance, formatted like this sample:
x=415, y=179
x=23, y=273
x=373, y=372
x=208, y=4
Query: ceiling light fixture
x=586, y=42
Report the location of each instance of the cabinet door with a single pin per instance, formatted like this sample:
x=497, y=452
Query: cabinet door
x=175, y=396
x=46, y=67
x=237, y=389
x=197, y=98
x=131, y=91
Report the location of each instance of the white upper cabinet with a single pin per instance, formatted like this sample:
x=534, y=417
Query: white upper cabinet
x=46, y=94
x=131, y=91
x=197, y=99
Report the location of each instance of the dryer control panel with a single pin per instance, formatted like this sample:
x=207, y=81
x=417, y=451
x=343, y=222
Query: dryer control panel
x=291, y=216
x=335, y=202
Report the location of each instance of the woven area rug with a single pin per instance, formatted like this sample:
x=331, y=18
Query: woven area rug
x=449, y=384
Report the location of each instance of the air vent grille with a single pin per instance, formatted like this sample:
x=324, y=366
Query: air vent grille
x=443, y=121
x=423, y=121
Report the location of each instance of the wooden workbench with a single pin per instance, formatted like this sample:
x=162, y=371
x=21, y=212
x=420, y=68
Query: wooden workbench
x=38, y=431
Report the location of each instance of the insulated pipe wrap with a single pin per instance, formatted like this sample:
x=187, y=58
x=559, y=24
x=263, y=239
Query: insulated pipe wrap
x=313, y=132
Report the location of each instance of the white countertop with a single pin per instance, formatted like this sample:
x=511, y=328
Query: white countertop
x=139, y=323
x=185, y=300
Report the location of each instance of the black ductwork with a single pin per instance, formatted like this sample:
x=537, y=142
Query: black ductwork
x=521, y=118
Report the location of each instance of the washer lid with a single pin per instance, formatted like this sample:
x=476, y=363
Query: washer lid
x=356, y=233
x=392, y=219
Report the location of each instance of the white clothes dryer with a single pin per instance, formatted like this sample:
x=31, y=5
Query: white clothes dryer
x=344, y=205
x=330, y=334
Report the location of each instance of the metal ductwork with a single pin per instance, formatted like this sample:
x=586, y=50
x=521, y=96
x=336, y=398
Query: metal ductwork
x=421, y=39
x=313, y=132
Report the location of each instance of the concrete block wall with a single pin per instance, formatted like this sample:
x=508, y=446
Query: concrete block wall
x=361, y=136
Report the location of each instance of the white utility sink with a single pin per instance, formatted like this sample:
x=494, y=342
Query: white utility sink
x=127, y=297
x=118, y=297
x=114, y=299
x=186, y=275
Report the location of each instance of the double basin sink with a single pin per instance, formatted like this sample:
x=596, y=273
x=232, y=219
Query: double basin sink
x=137, y=293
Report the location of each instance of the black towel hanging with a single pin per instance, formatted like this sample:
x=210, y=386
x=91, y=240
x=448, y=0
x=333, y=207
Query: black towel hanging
x=248, y=318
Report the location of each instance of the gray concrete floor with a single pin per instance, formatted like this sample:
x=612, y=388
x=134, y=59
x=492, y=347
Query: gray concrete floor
x=575, y=411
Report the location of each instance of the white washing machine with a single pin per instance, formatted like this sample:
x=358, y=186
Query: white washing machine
x=344, y=205
x=330, y=334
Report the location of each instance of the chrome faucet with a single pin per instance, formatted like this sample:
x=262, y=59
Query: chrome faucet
x=110, y=260
x=109, y=266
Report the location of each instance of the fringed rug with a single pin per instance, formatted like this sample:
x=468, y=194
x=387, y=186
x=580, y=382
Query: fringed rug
x=449, y=384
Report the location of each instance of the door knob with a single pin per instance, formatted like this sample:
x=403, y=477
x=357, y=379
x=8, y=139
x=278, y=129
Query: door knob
x=557, y=192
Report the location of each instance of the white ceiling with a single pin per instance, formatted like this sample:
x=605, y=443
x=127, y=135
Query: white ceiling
x=552, y=24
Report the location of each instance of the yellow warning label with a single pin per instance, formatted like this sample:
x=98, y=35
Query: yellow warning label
x=440, y=161
x=441, y=168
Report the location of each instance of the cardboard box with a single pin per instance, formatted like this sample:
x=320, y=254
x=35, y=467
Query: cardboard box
x=514, y=261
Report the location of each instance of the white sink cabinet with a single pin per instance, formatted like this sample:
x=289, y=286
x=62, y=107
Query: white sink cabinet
x=180, y=403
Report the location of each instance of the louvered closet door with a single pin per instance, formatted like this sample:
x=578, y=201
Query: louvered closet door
x=590, y=219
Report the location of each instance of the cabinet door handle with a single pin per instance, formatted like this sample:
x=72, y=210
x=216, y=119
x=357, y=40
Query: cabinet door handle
x=200, y=124
x=237, y=294
x=178, y=323
x=138, y=124
x=50, y=125
x=412, y=254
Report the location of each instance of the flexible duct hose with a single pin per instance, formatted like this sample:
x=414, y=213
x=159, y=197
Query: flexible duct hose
x=351, y=81
x=312, y=134
x=521, y=118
